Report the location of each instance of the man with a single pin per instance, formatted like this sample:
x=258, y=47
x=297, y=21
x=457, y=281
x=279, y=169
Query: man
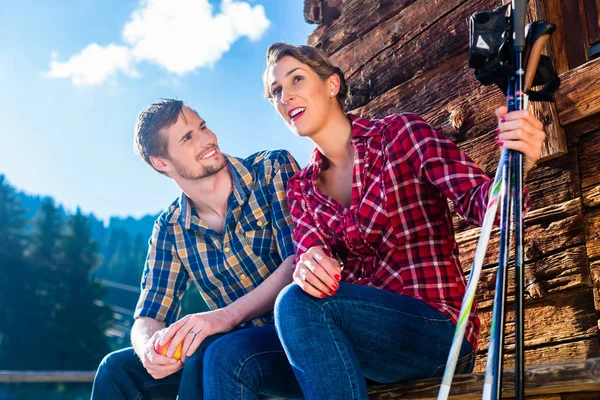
x=230, y=234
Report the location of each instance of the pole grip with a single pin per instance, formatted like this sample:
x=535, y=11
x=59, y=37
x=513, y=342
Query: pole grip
x=519, y=8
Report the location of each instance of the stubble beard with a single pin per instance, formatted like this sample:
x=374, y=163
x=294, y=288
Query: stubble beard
x=205, y=171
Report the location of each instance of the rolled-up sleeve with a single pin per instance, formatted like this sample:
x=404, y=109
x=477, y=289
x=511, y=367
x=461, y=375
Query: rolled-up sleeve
x=164, y=280
x=439, y=161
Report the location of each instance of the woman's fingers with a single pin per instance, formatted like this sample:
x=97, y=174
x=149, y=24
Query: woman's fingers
x=330, y=265
x=521, y=131
x=319, y=277
x=305, y=285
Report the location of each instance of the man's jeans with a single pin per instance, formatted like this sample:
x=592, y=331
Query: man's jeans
x=244, y=364
x=361, y=332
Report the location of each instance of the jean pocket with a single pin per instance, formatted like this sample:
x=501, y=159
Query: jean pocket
x=464, y=365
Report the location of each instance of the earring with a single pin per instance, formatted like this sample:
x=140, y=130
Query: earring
x=332, y=94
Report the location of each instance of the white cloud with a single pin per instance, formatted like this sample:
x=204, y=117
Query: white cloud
x=178, y=35
x=93, y=65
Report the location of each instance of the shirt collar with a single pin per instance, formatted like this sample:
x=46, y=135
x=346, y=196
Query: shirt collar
x=242, y=185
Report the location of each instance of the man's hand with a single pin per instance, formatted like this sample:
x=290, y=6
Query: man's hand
x=158, y=365
x=194, y=328
x=317, y=274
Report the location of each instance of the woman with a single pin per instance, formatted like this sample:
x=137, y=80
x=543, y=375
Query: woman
x=378, y=283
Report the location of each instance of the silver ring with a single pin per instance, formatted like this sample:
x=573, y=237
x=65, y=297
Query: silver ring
x=192, y=333
x=309, y=265
x=303, y=274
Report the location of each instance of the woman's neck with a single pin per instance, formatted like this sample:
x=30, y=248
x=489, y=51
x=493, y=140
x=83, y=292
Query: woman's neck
x=333, y=141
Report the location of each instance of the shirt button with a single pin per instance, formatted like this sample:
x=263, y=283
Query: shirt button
x=259, y=223
x=243, y=277
x=227, y=249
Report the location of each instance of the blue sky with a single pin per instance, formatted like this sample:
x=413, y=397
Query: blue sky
x=74, y=75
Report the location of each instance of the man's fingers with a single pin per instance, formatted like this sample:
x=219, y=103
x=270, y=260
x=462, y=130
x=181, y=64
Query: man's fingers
x=161, y=371
x=158, y=359
x=198, y=339
x=172, y=330
x=184, y=334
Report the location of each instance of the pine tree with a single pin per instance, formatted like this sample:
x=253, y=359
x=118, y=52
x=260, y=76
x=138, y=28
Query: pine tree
x=12, y=221
x=81, y=318
x=16, y=293
x=44, y=277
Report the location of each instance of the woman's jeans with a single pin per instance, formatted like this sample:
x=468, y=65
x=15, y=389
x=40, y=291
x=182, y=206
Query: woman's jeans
x=244, y=364
x=333, y=344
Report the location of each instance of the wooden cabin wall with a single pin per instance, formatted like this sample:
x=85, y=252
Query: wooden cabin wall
x=411, y=56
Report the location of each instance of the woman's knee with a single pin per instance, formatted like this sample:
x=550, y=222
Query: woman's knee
x=294, y=308
x=290, y=300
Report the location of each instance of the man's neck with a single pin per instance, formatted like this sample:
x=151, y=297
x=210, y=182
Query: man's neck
x=209, y=195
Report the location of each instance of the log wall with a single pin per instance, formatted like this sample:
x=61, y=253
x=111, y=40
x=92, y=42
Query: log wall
x=411, y=56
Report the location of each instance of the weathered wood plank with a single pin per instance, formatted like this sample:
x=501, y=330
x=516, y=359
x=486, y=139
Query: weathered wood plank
x=592, y=233
x=553, y=13
x=565, y=316
x=549, y=183
x=569, y=377
x=545, y=277
x=399, y=63
x=589, y=149
x=46, y=376
x=556, y=141
x=576, y=39
x=465, y=112
x=591, y=13
x=556, y=353
x=355, y=18
x=546, y=231
x=403, y=27
x=578, y=96
x=554, y=181
x=595, y=276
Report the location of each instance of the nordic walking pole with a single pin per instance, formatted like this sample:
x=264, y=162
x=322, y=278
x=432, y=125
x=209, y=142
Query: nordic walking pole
x=537, y=36
x=492, y=386
x=467, y=304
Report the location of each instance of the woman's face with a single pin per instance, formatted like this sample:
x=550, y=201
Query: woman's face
x=300, y=96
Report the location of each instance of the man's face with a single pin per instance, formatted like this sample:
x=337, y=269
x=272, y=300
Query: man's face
x=193, y=152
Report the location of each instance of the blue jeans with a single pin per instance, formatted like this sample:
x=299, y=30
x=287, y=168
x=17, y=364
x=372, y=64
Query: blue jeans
x=333, y=344
x=244, y=364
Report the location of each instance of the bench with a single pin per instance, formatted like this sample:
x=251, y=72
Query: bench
x=574, y=380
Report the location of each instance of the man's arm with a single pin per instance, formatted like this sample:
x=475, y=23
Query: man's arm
x=142, y=330
x=262, y=299
x=144, y=333
x=194, y=328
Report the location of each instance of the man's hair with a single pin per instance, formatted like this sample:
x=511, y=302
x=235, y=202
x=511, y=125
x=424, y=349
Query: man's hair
x=147, y=140
x=316, y=59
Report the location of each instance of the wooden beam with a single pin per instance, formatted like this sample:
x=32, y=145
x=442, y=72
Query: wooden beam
x=46, y=376
x=579, y=93
x=571, y=377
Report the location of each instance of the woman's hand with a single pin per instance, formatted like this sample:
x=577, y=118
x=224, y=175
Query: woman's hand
x=317, y=274
x=521, y=131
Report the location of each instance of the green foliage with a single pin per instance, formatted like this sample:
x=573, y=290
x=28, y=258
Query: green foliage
x=52, y=316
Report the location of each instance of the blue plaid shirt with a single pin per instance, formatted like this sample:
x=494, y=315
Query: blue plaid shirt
x=224, y=267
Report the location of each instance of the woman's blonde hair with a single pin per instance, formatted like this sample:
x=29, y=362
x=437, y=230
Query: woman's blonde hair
x=311, y=56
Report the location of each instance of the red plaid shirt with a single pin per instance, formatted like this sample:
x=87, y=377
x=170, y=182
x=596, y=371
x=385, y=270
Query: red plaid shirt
x=397, y=234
